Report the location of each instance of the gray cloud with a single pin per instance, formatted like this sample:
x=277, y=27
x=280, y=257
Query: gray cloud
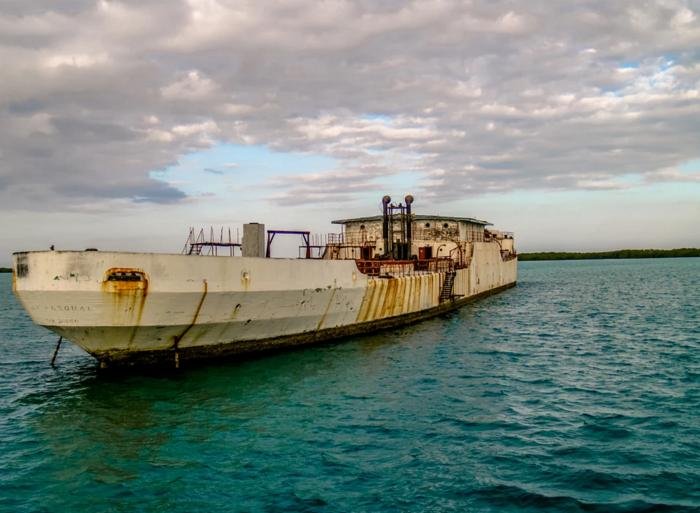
x=327, y=188
x=475, y=97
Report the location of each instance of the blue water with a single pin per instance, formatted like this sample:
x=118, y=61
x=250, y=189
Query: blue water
x=578, y=390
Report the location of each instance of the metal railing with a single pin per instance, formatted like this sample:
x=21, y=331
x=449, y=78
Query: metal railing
x=398, y=268
x=199, y=243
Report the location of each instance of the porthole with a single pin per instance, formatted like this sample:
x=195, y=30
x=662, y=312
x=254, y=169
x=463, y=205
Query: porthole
x=445, y=225
x=362, y=227
x=427, y=225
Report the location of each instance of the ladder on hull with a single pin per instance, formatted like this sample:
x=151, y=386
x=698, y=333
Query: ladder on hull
x=448, y=286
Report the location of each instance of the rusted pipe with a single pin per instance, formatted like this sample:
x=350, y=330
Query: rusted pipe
x=385, y=223
x=409, y=224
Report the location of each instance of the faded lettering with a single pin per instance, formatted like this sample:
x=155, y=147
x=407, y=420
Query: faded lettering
x=69, y=308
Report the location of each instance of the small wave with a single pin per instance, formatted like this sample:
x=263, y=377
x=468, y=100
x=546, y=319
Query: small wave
x=504, y=496
x=603, y=432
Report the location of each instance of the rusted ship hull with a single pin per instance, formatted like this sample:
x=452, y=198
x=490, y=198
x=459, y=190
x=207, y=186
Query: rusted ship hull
x=136, y=308
x=161, y=358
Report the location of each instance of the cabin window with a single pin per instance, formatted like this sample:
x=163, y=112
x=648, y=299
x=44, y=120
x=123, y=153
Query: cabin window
x=362, y=227
x=445, y=225
x=427, y=225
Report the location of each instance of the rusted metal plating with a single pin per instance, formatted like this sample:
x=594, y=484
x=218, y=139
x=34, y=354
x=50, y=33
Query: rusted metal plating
x=127, y=289
x=396, y=296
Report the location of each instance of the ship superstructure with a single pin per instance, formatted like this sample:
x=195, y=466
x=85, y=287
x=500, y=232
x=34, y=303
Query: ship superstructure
x=378, y=272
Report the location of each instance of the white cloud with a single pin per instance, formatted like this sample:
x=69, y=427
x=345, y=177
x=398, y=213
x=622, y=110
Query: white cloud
x=204, y=128
x=236, y=109
x=76, y=60
x=496, y=95
x=193, y=86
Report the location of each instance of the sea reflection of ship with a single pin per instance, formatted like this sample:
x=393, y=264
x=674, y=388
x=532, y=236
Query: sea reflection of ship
x=378, y=272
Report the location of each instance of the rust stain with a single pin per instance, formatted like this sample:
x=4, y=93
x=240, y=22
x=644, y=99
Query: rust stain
x=398, y=300
x=139, y=315
x=325, y=313
x=387, y=307
x=388, y=297
x=375, y=293
x=366, y=300
x=407, y=294
x=378, y=298
x=245, y=279
x=127, y=289
x=415, y=293
x=410, y=292
x=178, y=338
x=420, y=292
x=391, y=311
x=369, y=298
x=124, y=280
x=405, y=289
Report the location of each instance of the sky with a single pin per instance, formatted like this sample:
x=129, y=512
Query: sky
x=123, y=123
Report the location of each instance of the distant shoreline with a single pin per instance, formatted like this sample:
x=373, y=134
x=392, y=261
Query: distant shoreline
x=620, y=253
x=5, y=270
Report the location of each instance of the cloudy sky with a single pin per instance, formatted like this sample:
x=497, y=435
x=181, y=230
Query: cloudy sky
x=575, y=124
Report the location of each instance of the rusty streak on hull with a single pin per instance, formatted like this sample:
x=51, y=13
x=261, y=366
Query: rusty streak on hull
x=127, y=296
x=177, y=339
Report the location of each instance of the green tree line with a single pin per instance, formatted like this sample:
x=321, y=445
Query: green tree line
x=620, y=253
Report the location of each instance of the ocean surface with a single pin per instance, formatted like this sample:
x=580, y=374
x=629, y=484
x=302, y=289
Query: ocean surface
x=578, y=390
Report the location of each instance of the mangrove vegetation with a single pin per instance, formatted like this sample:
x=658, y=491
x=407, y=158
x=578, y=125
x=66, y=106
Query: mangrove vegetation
x=620, y=253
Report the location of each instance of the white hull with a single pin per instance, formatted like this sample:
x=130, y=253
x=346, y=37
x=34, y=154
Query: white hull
x=196, y=306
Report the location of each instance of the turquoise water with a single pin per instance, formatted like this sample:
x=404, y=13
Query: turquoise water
x=578, y=390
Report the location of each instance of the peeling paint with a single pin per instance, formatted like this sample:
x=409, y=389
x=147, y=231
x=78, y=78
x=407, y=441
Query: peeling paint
x=128, y=298
x=389, y=297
